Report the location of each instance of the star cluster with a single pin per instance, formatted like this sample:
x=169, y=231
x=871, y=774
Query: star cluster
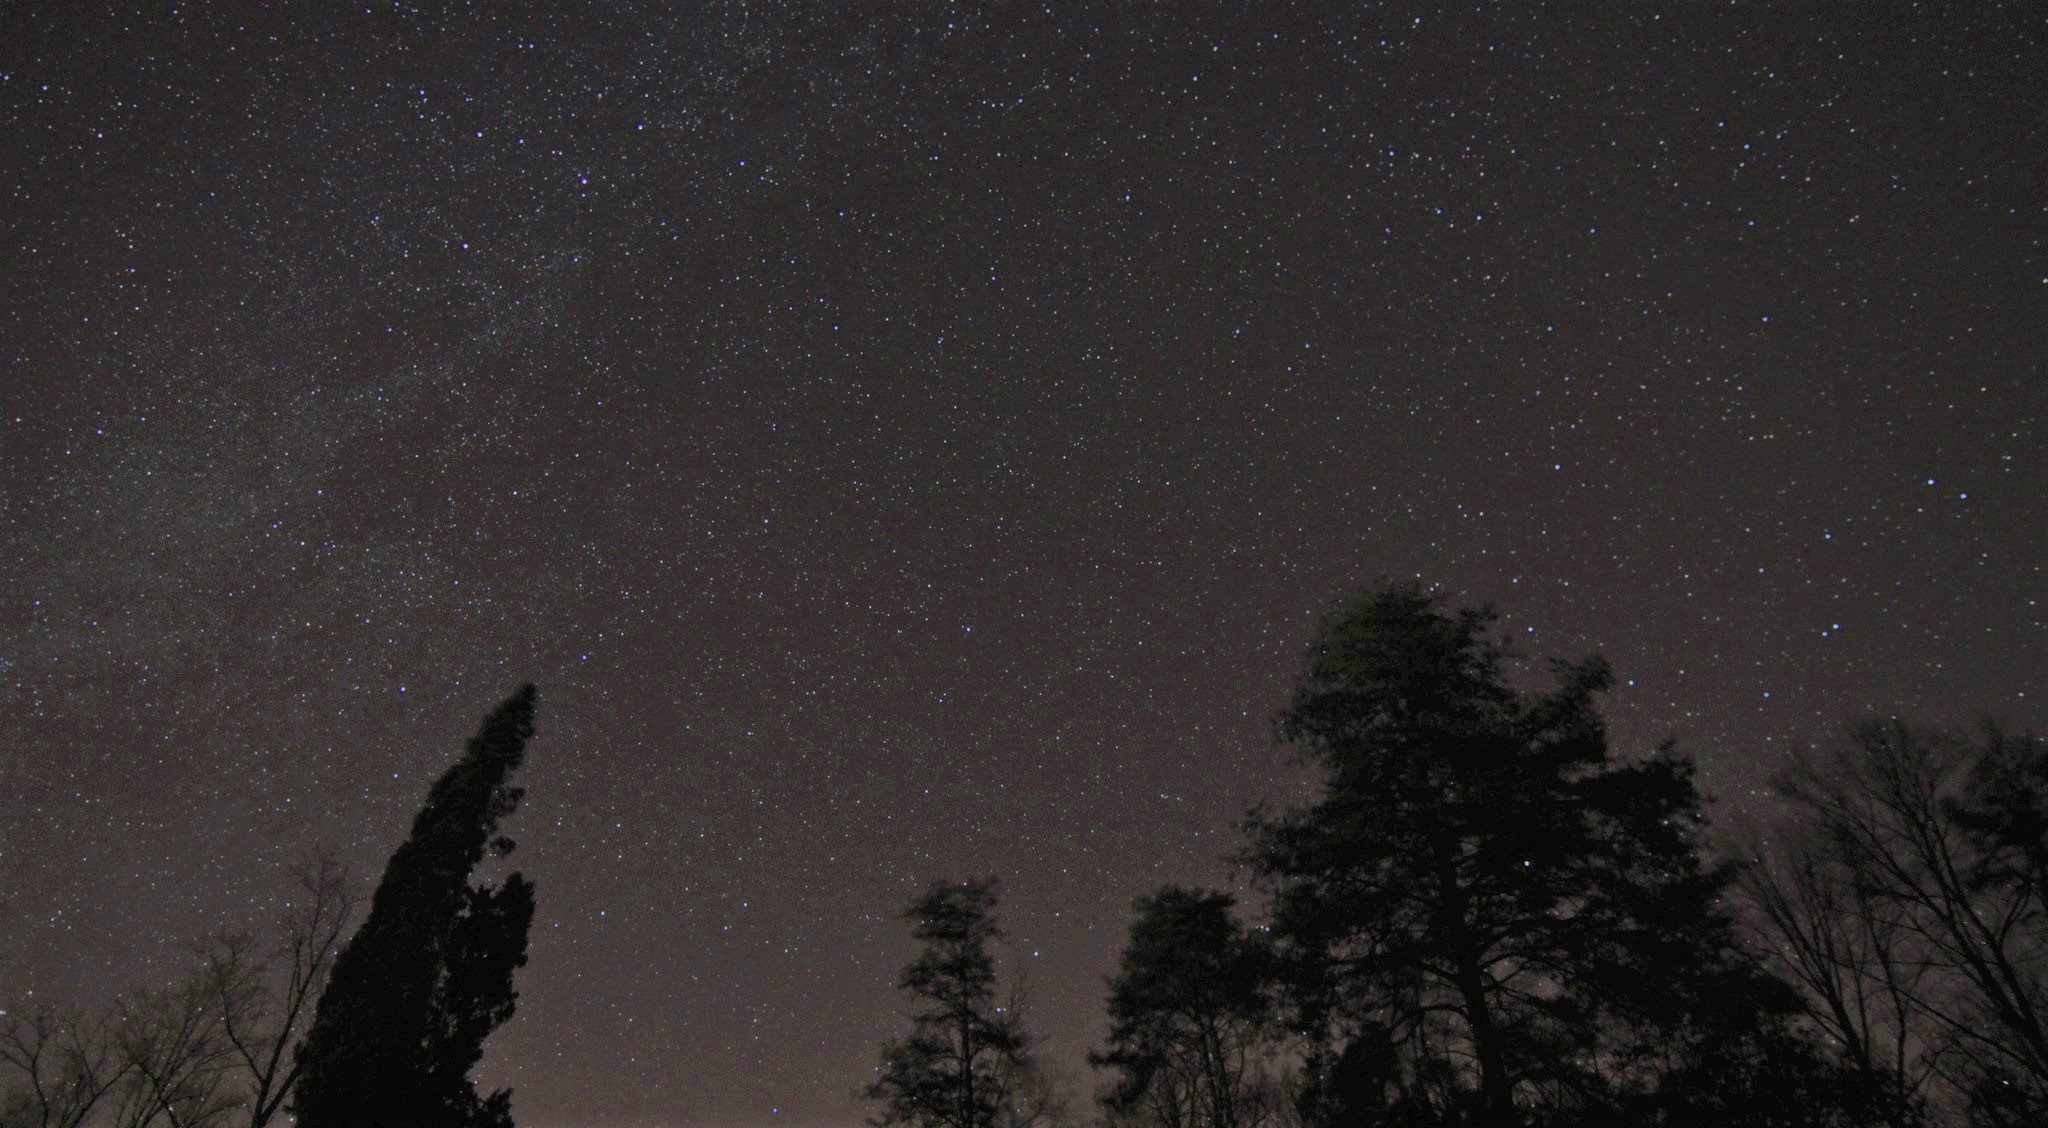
x=912, y=441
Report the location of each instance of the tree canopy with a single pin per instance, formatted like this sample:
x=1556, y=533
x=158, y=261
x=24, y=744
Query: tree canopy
x=966, y=1062
x=429, y=974
x=1191, y=1025
x=1487, y=917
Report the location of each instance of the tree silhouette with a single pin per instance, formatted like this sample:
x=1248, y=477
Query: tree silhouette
x=429, y=975
x=1486, y=919
x=1857, y=962
x=265, y=998
x=178, y=1062
x=1190, y=1024
x=66, y=1067
x=966, y=1063
x=1906, y=896
x=214, y=1048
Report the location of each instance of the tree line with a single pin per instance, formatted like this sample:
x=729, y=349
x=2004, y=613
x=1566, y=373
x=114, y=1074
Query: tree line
x=379, y=1031
x=1488, y=918
x=215, y=1049
x=1485, y=918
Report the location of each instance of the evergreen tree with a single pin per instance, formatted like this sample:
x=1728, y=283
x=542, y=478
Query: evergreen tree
x=429, y=974
x=1486, y=919
x=966, y=1063
x=1190, y=1023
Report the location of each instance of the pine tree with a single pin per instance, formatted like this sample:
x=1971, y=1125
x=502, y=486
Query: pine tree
x=429, y=974
x=966, y=1062
x=1486, y=919
x=1190, y=1022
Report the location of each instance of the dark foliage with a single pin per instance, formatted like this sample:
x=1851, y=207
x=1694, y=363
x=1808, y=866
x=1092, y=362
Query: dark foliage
x=1190, y=1023
x=1487, y=919
x=966, y=1063
x=429, y=974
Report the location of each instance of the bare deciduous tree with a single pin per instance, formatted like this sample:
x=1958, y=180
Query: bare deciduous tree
x=1910, y=909
x=265, y=999
x=1858, y=963
x=65, y=1068
x=175, y=1060
x=211, y=1050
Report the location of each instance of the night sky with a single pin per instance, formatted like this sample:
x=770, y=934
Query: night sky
x=917, y=441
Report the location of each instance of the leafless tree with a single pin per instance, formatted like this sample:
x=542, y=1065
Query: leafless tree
x=176, y=1060
x=1905, y=900
x=64, y=1068
x=1858, y=963
x=212, y=1050
x=265, y=997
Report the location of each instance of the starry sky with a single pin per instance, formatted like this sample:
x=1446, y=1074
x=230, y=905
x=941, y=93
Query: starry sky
x=913, y=441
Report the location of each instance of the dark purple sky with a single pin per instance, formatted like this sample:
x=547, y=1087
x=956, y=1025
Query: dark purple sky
x=915, y=442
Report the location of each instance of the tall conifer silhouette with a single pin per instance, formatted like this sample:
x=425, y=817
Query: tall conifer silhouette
x=429, y=974
x=966, y=1063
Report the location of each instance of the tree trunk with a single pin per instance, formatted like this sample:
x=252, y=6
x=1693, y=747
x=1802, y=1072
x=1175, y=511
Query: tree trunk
x=967, y=1118
x=1495, y=1088
x=1494, y=1085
